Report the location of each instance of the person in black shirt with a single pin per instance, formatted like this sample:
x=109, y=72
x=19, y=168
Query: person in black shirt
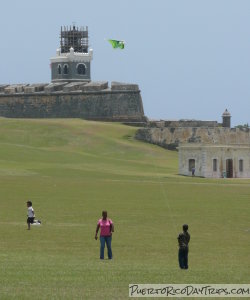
x=183, y=240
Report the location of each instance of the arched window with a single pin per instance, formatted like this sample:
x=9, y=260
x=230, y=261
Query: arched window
x=65, y=69
x=81, y=69
x=59, y=69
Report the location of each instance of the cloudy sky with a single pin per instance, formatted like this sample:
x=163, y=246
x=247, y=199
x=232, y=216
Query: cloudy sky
x=191, y=58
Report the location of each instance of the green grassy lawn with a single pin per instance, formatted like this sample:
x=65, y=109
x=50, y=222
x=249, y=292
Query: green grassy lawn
x=74, y=169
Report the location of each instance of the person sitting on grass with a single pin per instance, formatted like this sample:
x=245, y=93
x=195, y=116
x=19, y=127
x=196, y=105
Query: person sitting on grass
x=31, y=215
x=107, y=227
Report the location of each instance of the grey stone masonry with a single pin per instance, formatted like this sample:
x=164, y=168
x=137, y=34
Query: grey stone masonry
x=119, y=86
x=2, y=87
x=15, y=88
x=95, y=86
x=181, y=123
x=55, y=87
x=36, y=87
x=73, y=86
x=96, y=102
x=170, y=138
x=71, y=74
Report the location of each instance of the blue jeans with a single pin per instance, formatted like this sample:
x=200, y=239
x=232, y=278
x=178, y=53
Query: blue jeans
x=107, y=240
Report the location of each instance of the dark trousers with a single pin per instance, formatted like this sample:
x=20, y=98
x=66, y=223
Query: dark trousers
x=30, y=220
x=183, y=258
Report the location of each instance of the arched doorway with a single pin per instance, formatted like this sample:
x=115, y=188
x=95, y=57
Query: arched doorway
x=229, y=168
x=191, y=166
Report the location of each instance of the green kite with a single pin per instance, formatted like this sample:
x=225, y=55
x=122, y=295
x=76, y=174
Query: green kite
x=117, y=44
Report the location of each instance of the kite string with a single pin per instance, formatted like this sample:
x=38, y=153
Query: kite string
x=165, y=197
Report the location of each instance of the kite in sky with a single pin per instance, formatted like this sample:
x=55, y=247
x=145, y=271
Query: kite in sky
x=117, y=44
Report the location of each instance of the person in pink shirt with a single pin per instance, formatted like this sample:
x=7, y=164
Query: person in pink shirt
x=107, y=227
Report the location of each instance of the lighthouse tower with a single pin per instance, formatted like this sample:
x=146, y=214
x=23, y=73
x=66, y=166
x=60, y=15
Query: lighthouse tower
x=72, y=60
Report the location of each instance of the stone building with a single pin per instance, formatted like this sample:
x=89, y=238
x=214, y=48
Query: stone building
x=215, y=160
x=72, y=60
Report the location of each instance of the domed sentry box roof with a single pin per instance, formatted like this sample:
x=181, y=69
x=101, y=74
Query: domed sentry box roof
x=226, y=113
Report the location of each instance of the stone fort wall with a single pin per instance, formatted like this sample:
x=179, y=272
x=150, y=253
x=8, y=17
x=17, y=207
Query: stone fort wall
x=171, y=137
x=92, y=101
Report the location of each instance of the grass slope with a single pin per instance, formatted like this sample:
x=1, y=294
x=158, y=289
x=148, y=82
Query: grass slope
x=72, y=170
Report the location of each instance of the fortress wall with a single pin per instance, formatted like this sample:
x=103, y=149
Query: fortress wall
x=182, y=123
x=171, y=137
x=105, y=105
